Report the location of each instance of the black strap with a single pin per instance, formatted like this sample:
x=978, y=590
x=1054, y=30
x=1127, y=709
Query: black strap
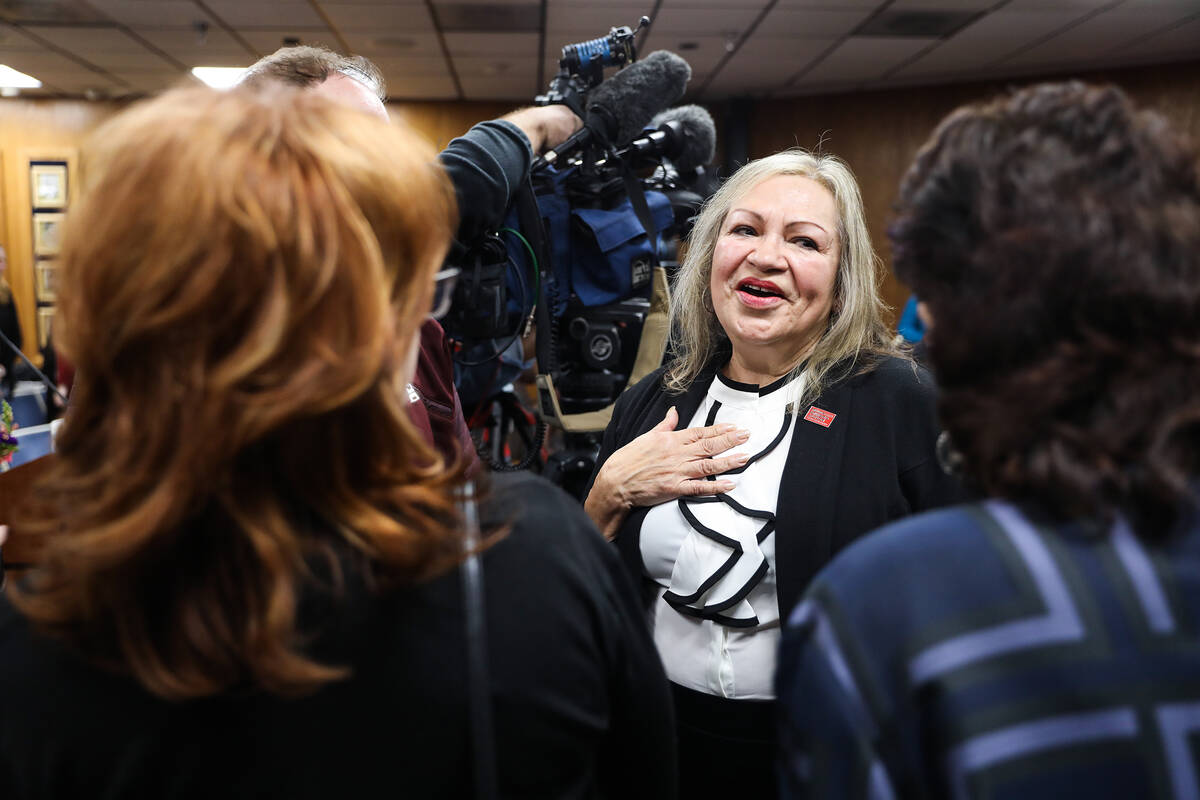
x=483, y=739
x=637, y=198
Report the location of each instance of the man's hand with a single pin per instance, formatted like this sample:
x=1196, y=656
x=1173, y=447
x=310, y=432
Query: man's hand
x=660, y=465
x=546, y=127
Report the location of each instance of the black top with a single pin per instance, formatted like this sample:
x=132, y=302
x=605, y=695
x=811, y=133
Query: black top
x=11, y=327
x=580, y=700
x=872, y=463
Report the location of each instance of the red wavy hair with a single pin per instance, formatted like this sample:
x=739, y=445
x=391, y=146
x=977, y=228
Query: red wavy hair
x=242, y=282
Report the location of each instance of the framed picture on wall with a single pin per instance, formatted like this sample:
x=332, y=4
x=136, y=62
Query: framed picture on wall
x=48, y=185
x=45, y=317
x=47, y=274
x=47, y=233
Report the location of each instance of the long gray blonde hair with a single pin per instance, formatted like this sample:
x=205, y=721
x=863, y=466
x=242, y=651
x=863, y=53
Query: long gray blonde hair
x=856, y=326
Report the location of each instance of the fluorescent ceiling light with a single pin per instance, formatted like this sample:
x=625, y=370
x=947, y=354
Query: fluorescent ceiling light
x=219, y=77
x=11, y=79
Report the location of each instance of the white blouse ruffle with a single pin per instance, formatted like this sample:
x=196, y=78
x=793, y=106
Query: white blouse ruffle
x=717, y=618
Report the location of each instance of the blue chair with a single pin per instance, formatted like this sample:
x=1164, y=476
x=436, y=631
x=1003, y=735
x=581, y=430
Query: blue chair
x=32, y=442
x=28, y=404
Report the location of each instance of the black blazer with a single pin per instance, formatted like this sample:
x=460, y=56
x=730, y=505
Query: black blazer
x=874, y=463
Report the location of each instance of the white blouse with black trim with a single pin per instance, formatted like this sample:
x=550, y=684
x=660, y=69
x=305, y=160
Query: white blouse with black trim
x=716, y=620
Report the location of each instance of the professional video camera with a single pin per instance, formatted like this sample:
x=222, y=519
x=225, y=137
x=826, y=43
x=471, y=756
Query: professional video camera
x=582, y=252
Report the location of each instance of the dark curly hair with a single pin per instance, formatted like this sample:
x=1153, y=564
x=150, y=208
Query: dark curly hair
x=1055, y=237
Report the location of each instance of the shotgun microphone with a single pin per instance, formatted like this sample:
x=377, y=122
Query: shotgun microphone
x=686, y=136
x=621, y=107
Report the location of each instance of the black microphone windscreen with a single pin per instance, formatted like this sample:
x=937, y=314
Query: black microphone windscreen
x=698, y=145
x=624, y=104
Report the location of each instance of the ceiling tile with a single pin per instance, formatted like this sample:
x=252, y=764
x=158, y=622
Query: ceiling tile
x=393, y=44
x=86, y=40
x=1182, y=40
x=77, y=80
x=487, y=44
x=1095, y=38
x=619, y=10
x=189, y=46
x=941, y=5
x=812, y=24
x=736, y=82
x=1058, y=5
x=515, y=87
x=402, y=87
x=107, y=48
x=156, y=81
x=708, y=52
x=1190, y=5
x=394, y=18
x=52, y=12
x=703, y=21
x=260, y=14
x=13, y=40
x=162, y=13
x=146, y=60
x=987, y=41
x=828, y=136
x=412, y=67
x=495, y=66
x=268, y=40
x=748, y=7
x=589, y=20
x=830, y=5
x=864, y=58
x=37, y=64
x=767, y=62
x=784, y=54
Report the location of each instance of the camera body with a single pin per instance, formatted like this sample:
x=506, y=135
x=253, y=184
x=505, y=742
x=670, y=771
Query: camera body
x=582, y=251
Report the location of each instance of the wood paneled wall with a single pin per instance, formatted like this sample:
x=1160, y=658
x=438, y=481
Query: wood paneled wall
x=879, y=133
x=35, y=129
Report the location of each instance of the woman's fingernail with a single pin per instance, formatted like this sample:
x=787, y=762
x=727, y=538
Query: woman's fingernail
x=743, y=434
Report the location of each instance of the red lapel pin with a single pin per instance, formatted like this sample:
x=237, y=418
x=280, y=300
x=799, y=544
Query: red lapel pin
x=820, y=416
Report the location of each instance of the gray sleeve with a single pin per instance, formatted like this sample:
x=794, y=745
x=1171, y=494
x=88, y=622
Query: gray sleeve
x=486, y=165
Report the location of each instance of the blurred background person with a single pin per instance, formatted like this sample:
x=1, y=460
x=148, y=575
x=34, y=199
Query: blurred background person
x=487, y=165
x=787, y=426
x=1042, y=643
x=10, y=326
x=248, y=582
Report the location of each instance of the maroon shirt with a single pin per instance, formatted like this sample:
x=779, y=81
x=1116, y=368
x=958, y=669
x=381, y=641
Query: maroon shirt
x=438, y=411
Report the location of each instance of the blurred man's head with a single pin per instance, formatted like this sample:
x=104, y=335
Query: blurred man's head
x=351, y=80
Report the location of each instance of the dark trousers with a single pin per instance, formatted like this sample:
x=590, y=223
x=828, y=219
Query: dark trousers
x=726, y=747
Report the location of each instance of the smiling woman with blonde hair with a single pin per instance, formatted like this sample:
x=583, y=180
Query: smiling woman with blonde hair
x=786, y=427
x=248, y=583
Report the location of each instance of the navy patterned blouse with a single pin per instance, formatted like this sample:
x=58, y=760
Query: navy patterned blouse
x=983, y=651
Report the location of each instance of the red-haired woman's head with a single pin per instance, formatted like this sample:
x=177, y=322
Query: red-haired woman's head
x=242, y=283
